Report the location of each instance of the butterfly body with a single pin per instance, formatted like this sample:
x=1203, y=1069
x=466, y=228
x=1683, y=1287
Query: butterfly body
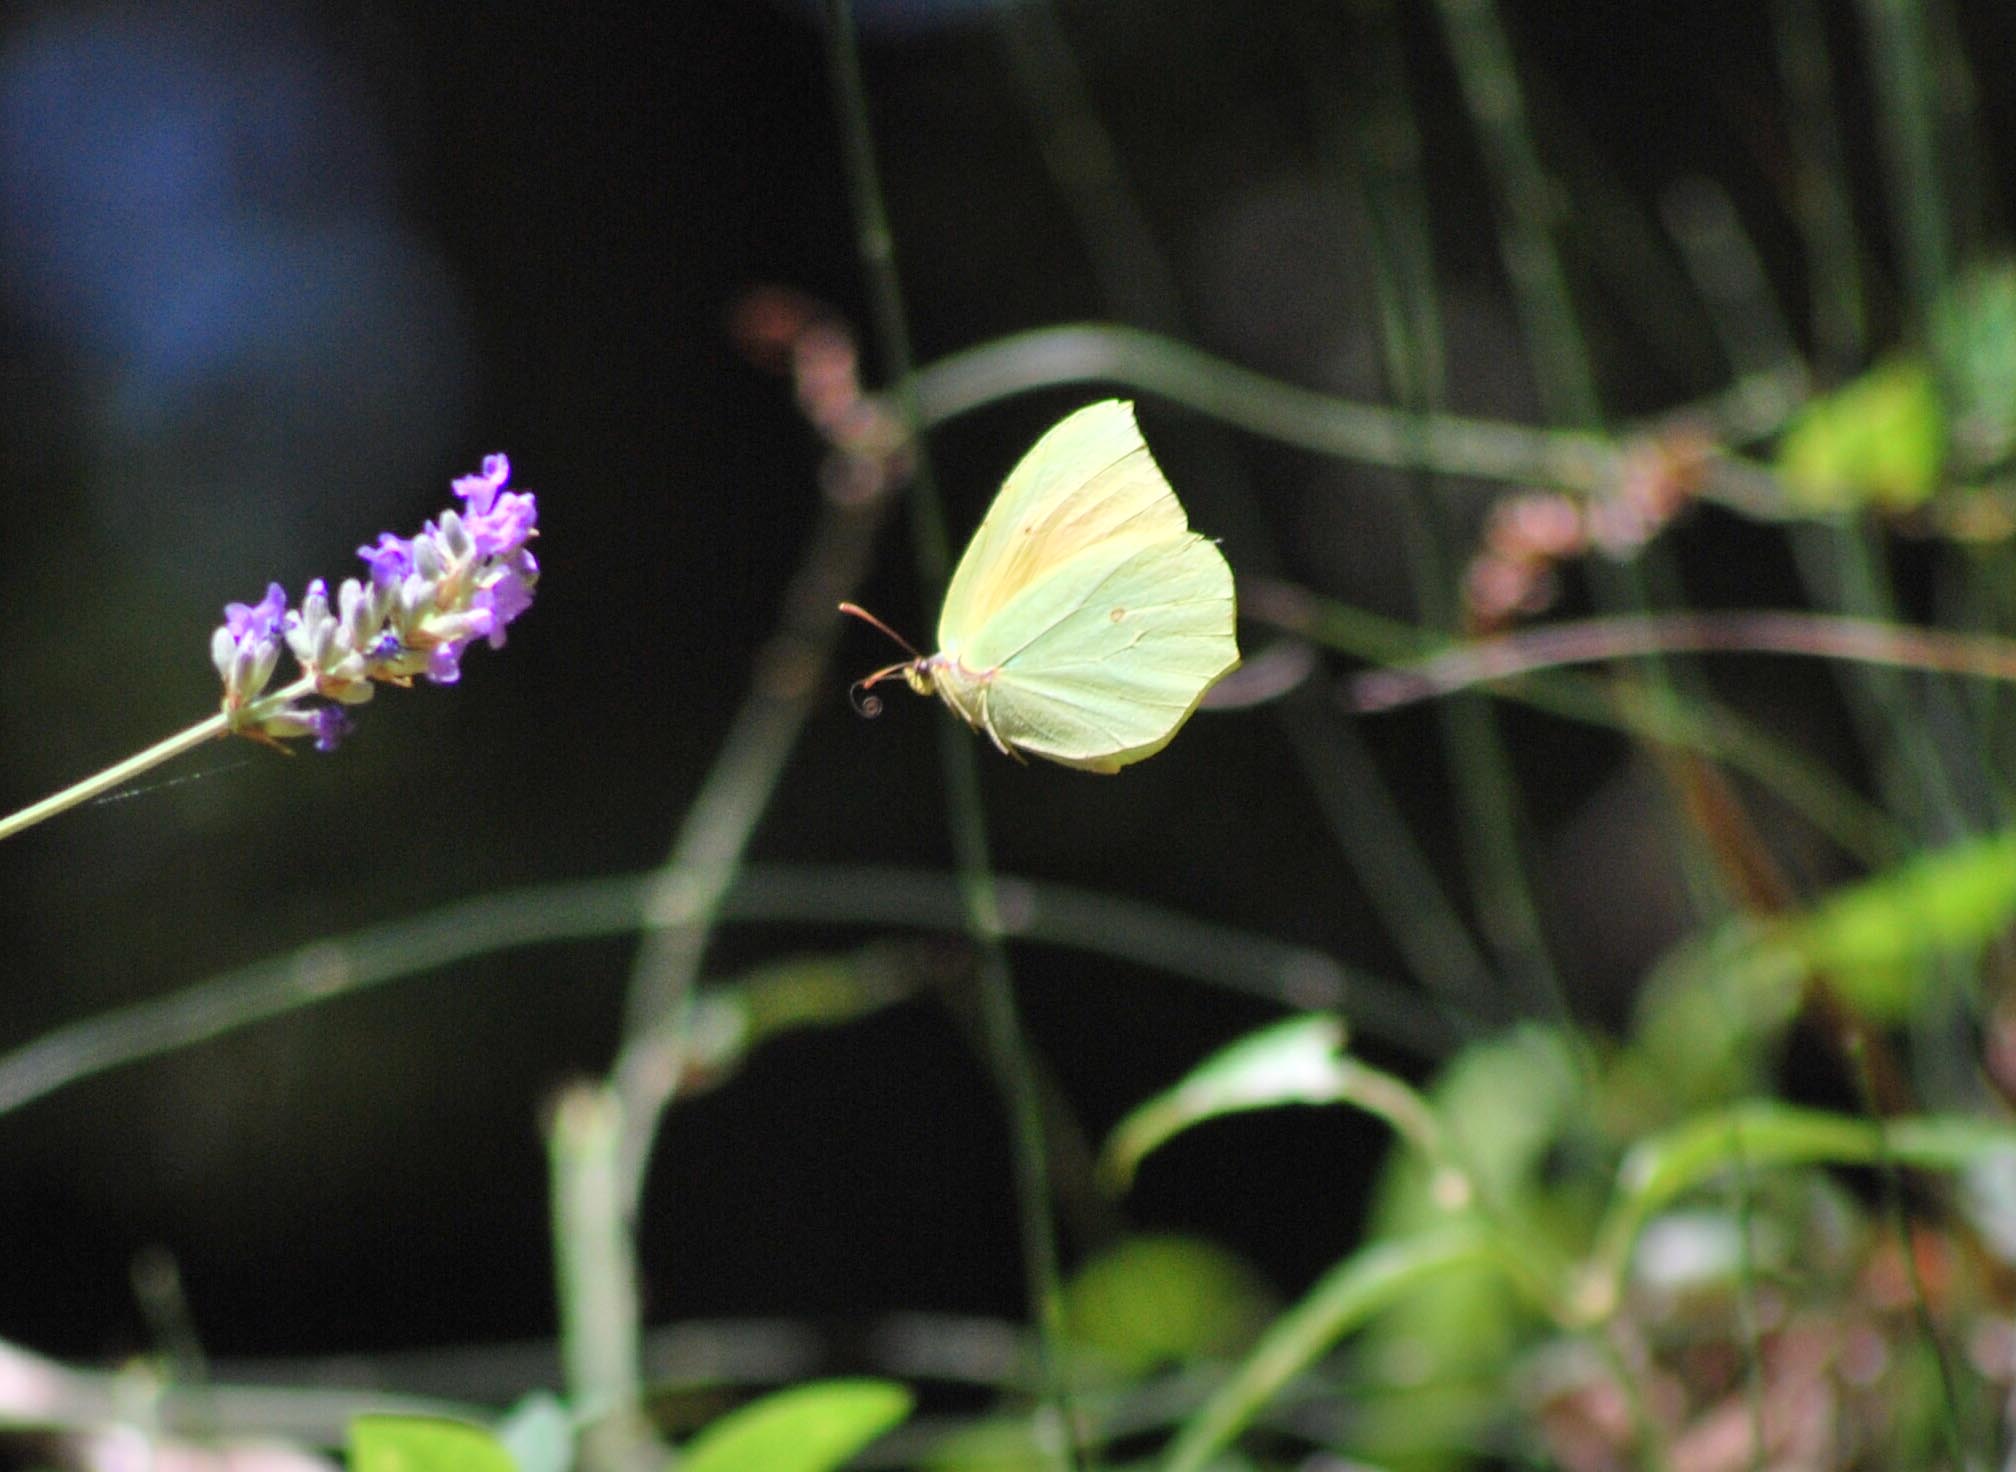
x=1085, y=621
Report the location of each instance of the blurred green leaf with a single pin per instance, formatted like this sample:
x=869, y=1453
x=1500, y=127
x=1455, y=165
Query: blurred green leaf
x=991, y=1446
x=424, y=1444
x=1760, y=1134
x=1875, y=940
x=1512, y=1106
x=1720, y=998
x=1149, y=1301
x=732, y=1020
x=1342, y=1299
x=1300, y=1061
x=539, y=1433
x=808, y=1428
x=818, y=990
x=1708, y=1016
x=1879, y=440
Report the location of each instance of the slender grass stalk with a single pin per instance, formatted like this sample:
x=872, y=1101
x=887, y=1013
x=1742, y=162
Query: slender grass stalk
x=1729, y=277
x=1900, y=57
x=1482, y=53
x=1609, y=234
x=1006, y=1045
x=1575, y=461
x=1742, y=1198
x=1819, y=194
x=686, y=896
x=1134, y=274
x=1426, y=929
x=1900, y=48
x=120, y=773
x=1895, y=724
x=1489, y=818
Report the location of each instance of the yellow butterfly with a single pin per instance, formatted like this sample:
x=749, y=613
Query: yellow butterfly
x=1086, y=620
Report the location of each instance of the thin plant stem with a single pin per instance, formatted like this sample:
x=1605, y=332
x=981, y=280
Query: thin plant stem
x=1742, y=1199
x=1578, y=462
x=1373, y=434
x=1481, y=52
x=1654, y=1453
x=1819, y=636
x=1911, y=766
x=1922, y=153
x=688, y=892
x=595, y=1280
x=1856, y=1045
x=122, y=772
x=1902, y=727
x=1618, y=242
x=1258, y=966
x=1689, y=723
x=686, y=897
x=1133, y=271
x=1001, y=1023
x=36, y=1391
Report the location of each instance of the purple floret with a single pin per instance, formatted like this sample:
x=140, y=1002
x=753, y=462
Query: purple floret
x=390, y=560
x=257, y=622
x=331, y=723
x=506, y=527
x=444, y=662
x=504, y=600
x=479, y=491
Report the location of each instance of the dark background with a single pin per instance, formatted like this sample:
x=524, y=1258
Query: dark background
x=274, y=273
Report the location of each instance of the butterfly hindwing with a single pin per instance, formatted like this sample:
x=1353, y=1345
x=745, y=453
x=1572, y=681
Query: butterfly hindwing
x=1112, y=651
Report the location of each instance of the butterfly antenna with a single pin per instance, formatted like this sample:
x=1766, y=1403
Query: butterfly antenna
x=867, y=705
x=866, y=617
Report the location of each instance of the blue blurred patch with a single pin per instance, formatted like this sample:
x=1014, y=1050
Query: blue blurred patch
x=195, y=206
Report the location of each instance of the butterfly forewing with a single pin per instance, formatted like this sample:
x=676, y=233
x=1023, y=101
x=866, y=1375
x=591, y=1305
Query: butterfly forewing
x=1088, y=481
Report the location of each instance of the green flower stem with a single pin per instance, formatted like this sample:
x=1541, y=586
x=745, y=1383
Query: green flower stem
x=123, y=772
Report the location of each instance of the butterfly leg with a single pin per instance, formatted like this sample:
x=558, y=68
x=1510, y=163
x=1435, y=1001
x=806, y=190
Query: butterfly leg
x=986, y=723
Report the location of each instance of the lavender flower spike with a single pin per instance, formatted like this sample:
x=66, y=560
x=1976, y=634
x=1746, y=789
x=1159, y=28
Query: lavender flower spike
x=424, y=599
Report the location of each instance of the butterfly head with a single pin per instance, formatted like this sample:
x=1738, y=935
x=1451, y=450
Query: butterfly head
x=917, y=671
